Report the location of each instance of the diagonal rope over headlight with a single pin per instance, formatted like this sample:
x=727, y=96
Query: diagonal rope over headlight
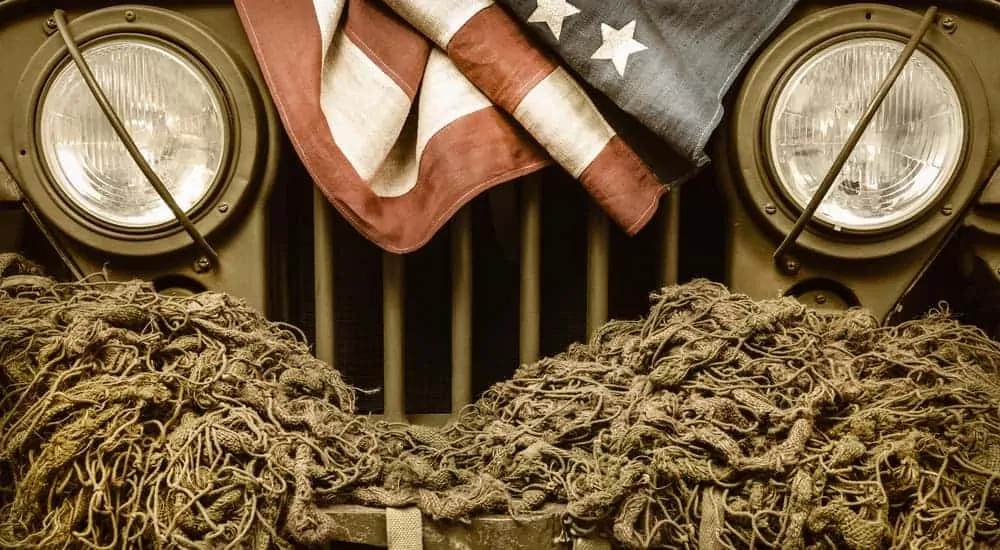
x=855, y=136
x=123, y=134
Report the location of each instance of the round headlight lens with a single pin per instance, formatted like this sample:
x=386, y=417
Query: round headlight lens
x=171, y=111
x=905, y=158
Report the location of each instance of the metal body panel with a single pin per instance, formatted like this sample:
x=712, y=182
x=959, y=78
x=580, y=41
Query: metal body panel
x=873, y=272
x=241, y=227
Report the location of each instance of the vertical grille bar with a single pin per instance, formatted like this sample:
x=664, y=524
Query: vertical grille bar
x=671, y=237
x=461, y=310
x=392, y=337
x=598, y=250
x=531, y=274
x=323, y=276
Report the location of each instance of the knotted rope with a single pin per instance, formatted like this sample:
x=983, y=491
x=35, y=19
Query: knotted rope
x=716, y=422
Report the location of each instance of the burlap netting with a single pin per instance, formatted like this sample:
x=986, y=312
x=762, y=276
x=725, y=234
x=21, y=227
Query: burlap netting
x=134, y=419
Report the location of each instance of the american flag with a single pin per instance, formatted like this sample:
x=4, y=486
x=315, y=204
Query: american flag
x=667, y=63
x=402, y=111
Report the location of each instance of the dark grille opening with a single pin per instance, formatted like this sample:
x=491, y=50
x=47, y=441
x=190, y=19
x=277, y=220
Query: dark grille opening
x=427, y=326
x=357, y=303
x=564, y=262
x=635, y=268
x=495, y=292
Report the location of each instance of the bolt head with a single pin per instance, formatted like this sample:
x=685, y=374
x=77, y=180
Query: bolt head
x=770, y=209
x=820, y=299
x=947, y=209
x=792, y=266
x=948, y=23
x=224, y=207
x=129, y=15
x=202, y=264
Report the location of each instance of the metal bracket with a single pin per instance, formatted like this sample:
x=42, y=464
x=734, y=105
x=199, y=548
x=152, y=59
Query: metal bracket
x=95, y=89
x=854, y=137
x=9, y=190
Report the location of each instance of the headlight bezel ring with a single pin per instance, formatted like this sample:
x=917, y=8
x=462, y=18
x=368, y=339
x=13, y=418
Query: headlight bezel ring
x=245, y=131
x=753, y=111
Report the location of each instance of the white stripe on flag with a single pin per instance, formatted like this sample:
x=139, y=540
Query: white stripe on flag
x=438, y=20
x=398, y=173
x=445, y=96
x=328, y=16
x=364, y=108
x=565, y=122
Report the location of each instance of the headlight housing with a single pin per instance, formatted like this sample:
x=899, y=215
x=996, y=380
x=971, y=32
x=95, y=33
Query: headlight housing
x=789, y=121
x=196, y=115
x=173, y=112
x=906, y=157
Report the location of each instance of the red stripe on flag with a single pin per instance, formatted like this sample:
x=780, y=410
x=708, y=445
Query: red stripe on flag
x=498, y=58
x=467, y=157
x=389, y=41
x=623, y=185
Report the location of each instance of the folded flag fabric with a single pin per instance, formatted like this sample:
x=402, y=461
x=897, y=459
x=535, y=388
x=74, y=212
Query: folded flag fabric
x=405, y=110
x=667, y=63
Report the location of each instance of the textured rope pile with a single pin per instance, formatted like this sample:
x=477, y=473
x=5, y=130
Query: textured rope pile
x=130, y=418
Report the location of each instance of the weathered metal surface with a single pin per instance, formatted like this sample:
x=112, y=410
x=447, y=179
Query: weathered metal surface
x=540, y=530
x=8, y=188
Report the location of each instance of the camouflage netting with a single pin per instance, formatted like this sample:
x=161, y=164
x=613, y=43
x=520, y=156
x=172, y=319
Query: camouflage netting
x=134, y=419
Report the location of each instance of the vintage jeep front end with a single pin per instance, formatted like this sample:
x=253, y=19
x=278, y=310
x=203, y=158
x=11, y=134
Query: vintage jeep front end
x=857, y=165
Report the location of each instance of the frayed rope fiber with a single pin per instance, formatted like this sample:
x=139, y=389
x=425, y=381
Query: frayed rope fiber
x=132, y=419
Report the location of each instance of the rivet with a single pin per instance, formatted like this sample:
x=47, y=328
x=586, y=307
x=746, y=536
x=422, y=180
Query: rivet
x=202, y=264
x=947, y=209
x=224, y=207
x=948, y=23
x=129, y=16
x=770, y=209
x=820, y=298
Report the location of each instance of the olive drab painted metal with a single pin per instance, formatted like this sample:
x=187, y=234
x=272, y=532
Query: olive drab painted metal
x=874, y=271
x=11, y=217
x=234, y=217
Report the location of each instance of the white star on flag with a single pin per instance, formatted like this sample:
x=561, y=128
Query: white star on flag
x=618, y=45
x=552, y=13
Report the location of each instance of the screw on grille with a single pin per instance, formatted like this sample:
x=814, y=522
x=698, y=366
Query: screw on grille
x=947, y=209
x=820, y=298
x=224, y=207
x=202, y=265
x=791, y=266
x=129, y=16
x=949, y=24
x=770, y=209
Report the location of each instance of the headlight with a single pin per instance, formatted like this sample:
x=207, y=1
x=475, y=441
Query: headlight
x=905, y=158
x=170, y=108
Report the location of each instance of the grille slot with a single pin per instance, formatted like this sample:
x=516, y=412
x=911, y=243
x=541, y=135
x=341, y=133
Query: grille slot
x=521, y=272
